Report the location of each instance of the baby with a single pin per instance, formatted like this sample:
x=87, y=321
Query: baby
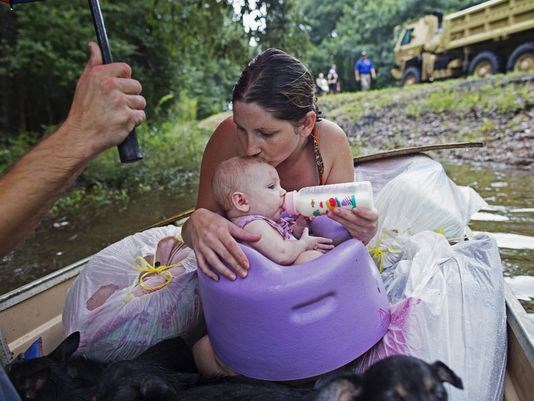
x=248, y=190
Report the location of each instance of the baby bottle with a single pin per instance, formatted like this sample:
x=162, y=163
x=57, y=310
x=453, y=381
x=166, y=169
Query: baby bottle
x=315, y=201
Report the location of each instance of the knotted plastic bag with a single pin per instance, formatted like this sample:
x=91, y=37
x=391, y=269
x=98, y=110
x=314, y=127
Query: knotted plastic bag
x=448, y=305
x=414, y=194
x=133, y=294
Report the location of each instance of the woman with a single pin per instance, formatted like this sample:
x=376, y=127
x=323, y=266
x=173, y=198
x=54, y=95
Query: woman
x=275, y=116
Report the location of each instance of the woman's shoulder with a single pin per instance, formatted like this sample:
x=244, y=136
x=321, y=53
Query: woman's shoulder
x=335, y=151
x=330, y=133
x=224, y=138
x=226, y=128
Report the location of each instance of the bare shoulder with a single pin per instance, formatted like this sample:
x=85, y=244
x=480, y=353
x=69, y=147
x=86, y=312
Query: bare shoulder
x=331, y=133
x=224, y=137
x=222, y=145
x=258, y=226
x=336, y=152
x=269, y=236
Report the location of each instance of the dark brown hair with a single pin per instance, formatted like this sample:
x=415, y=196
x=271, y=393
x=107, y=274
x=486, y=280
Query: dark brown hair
x=278, y=82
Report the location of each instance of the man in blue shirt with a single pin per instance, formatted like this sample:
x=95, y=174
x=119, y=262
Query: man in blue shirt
x=364, y=71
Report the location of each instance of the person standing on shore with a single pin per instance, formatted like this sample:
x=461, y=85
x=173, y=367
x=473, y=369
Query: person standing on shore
x=364, y=71
x=332, y=79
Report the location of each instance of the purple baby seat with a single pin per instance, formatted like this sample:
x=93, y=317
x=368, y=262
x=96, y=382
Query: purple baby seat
x=294, y=322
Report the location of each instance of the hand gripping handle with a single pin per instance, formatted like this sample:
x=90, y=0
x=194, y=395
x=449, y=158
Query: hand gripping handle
x=129, y=149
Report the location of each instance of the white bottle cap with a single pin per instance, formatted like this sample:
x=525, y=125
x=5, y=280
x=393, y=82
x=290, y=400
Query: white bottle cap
x=289, y=202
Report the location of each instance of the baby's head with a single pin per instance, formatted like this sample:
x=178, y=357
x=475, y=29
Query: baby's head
x=245, y=185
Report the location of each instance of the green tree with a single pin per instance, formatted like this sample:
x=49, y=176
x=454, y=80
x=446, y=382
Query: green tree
x=364, y=24
x=280, y=24
x=173, y=46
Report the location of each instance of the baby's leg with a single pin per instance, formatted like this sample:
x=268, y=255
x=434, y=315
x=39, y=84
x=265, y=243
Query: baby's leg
x=306, y=256
x=206, y=361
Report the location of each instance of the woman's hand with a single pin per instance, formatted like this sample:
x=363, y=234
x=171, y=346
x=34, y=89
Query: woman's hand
x=361, y=223
x=212, y=237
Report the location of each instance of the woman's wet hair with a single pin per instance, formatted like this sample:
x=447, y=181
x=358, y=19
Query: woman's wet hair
x=280, y=83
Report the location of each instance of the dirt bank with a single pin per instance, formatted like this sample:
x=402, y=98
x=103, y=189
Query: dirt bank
x=505, y=125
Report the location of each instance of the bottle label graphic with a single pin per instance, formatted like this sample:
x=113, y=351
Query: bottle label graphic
x=321, y=206
x=315, y=201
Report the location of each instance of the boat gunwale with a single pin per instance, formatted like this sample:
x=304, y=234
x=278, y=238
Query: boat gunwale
x=520, y=323
x=42, y=284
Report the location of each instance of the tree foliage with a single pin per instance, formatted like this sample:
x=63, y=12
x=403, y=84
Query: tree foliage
x=340, y=31
x=186, y=50
x=173, y=46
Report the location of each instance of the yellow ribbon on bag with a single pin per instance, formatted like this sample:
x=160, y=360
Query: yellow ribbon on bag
x=382, y=249
x=378, y=254
x=146, y=269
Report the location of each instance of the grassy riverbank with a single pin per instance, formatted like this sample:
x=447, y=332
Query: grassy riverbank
x=497, y=111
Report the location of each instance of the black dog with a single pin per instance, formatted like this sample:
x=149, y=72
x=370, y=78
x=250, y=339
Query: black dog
x=395, y=378
x=62, y=376
x=166, y=372
x=159, y=374
x=56, y=377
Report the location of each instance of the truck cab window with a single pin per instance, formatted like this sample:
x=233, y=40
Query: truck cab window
x=407, y=38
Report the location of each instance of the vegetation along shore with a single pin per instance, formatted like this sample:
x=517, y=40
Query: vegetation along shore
x=497, y=110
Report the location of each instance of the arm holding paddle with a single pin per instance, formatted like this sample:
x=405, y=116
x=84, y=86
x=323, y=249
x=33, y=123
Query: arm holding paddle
x=107, y=105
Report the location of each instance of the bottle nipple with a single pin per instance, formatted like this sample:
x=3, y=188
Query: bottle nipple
x=289, y=202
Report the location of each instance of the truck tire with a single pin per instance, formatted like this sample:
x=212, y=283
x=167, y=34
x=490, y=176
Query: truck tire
x=411, y=76
x=522, y=58
x=485, y=63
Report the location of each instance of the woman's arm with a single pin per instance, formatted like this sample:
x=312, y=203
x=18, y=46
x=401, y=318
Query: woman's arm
x=339, y=167
x=211, y=236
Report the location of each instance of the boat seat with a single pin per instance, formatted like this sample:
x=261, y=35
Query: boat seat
x=294, y=322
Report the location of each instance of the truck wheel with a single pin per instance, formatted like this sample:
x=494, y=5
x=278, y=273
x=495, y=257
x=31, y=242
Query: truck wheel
x=522, y=58
x=484, y=64
x=411, y=76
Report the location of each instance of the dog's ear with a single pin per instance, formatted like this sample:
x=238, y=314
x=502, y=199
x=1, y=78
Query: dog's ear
x=342, y=388
x=68, y=347
x=445, y=374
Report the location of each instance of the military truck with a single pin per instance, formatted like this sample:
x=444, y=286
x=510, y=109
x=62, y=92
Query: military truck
x=491, y=37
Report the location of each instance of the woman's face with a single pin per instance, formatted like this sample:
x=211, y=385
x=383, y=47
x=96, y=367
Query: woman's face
x=261, y=134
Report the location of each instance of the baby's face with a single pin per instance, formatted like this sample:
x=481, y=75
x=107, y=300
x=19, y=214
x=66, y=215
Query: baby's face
x=265, y=194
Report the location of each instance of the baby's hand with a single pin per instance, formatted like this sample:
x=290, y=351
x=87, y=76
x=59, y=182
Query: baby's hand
x=320, y=244
x=300, y=224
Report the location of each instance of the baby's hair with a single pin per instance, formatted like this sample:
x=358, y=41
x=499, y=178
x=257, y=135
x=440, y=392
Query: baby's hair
x=232, y=175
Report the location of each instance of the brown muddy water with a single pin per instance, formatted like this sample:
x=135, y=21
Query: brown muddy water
x=57, y=243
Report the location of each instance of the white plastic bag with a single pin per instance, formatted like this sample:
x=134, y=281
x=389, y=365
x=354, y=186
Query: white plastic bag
x=121, y=311
x=414, y=194
x=449, y=305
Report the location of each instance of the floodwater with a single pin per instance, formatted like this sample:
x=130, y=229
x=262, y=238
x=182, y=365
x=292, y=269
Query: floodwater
x=509, y=218
x=57, y=243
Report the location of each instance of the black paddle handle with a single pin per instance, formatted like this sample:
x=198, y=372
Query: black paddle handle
x=129, y=149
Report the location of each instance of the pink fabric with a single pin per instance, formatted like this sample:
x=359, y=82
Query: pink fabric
x=397, y=340
x=283, y=226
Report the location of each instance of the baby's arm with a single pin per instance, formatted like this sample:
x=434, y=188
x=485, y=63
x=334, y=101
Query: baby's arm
x=284, y=252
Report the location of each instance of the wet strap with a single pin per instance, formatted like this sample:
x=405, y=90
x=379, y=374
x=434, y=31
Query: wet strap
x=317, y=154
